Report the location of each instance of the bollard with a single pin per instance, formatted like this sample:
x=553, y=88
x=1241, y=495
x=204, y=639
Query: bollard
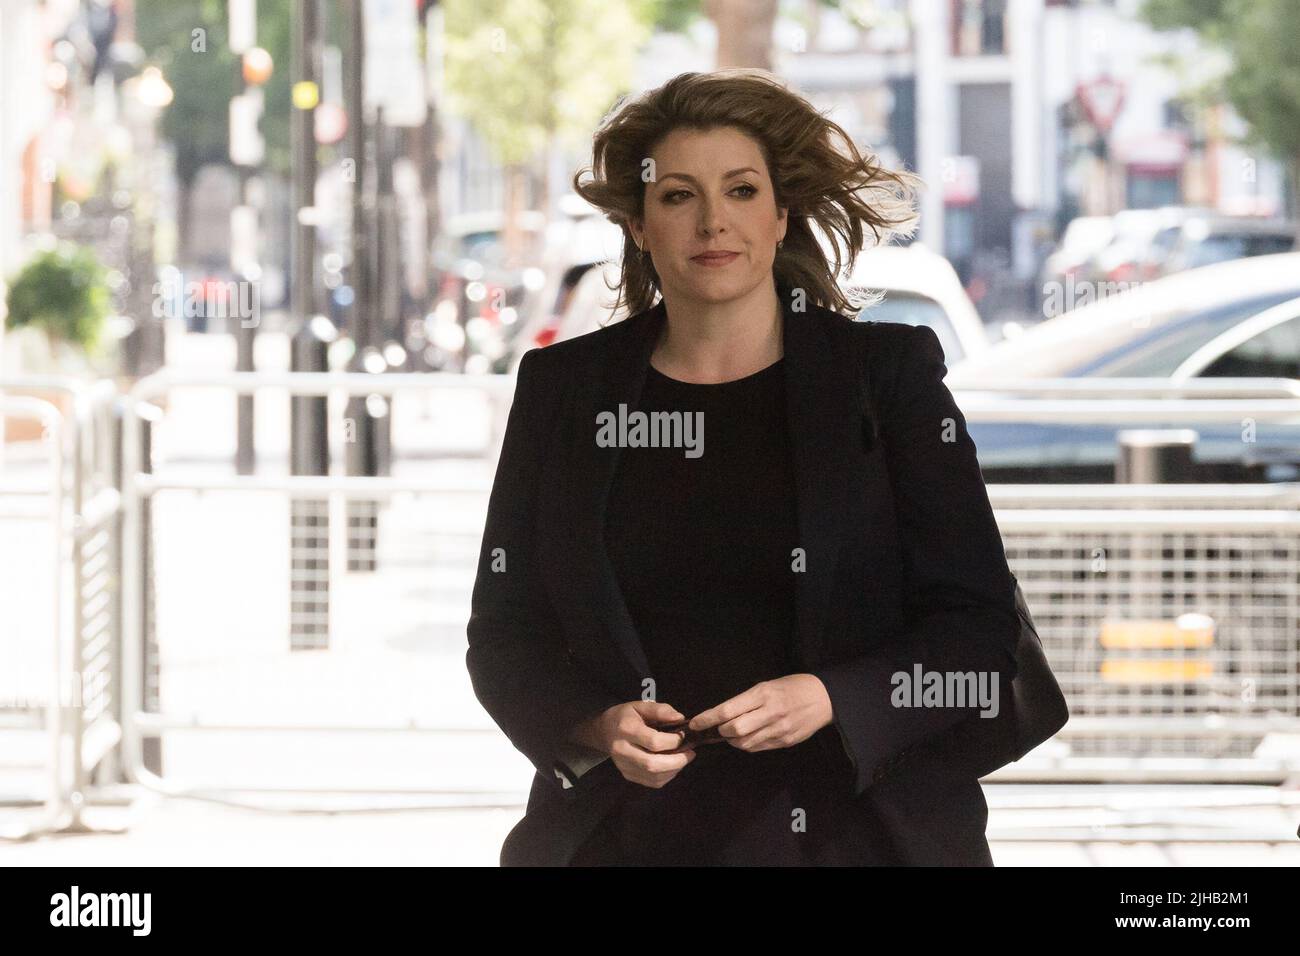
x=309, y=516
x=1155, y=456
x=1152, y=456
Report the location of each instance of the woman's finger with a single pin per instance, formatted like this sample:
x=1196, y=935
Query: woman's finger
x=655, y=741
x=746, y=725
x=647, y=769
x=653, y=776
x=657, y=711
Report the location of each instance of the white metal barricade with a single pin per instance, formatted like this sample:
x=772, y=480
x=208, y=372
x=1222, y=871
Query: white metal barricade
x=1171, y=617
x=1111, y=570
x=316, y=557
x=1099, y=563
x=73, y=495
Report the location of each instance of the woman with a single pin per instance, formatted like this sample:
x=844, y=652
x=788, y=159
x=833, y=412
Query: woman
x=762, y=559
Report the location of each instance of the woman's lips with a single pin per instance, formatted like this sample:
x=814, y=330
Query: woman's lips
x=715, y=258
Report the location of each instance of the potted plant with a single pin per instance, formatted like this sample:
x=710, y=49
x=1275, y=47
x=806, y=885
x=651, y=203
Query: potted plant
x=57, y=306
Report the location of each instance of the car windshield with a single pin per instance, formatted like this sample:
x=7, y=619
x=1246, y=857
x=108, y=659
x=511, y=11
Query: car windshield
x=1225, y=246
x=1267, y=245
x=479, y=245
x=1160, y=353
x=1273, y=353
x=1164, y=242
x=909, y=309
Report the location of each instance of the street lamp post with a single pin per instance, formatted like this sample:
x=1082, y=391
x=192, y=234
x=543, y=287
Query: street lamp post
x=308, y=423
x=361, y=446
x=252, y=70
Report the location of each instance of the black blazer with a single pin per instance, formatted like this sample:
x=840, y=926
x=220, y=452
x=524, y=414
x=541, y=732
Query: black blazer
x=904, y=566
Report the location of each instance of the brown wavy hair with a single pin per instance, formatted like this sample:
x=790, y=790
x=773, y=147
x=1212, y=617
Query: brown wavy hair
x=820, y=176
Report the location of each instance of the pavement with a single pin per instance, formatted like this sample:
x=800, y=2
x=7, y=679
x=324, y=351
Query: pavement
x=172, y=831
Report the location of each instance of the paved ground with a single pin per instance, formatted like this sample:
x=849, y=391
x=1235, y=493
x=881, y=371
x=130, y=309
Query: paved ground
x=170, y=831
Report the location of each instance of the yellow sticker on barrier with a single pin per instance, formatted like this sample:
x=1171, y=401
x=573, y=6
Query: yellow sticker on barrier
x=1187, y=630
x=1148, y=671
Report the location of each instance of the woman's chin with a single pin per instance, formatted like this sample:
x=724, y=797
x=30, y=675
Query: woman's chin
x=717, y=289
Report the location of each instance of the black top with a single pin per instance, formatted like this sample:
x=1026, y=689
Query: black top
x=702, y=546
x=702, y=550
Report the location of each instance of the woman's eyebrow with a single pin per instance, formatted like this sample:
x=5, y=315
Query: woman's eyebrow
x=692, y=179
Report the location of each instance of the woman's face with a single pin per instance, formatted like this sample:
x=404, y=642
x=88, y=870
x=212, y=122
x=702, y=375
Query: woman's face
x=710, y=193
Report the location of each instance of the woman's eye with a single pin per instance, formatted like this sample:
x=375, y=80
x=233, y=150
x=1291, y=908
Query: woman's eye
x=672, y=196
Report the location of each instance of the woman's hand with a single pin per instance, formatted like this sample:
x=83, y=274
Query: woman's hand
x=625, y=732
x=772, y=714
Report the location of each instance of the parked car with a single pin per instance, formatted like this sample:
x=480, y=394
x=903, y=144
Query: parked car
x=1132, y=253
x=1083, y=238
x=478, y=289
x=1054, y=347
x=919, y=287
x=1204, y=240
x=908, y=284
x=583, y=239
x=1235, y=319
x=1192, y=346
x=585, y=304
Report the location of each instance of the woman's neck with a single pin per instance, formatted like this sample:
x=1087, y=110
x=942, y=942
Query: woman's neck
x=709, y=342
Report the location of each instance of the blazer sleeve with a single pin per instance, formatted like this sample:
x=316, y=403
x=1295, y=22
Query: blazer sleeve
x=517, y=659
x=958, y=594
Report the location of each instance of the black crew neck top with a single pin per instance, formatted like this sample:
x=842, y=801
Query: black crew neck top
x=701, y=546
x=702, y=551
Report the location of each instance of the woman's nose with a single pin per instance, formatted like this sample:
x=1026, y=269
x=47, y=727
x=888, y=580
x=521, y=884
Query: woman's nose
x=711, y=218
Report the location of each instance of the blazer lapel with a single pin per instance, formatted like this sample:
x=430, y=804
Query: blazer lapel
x=825, y=425
x=823, y=421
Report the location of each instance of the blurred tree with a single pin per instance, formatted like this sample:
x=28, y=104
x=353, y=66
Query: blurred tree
x=1263, y=83
x=187, y=40
x=530, y=74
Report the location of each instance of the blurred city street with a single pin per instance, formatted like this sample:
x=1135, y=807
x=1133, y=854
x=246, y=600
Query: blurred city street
x=225, y=661
x=268, y=273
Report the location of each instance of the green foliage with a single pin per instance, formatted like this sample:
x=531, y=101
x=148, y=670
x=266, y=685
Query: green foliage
x=188, y=41
x=1205, y=16
x=1263, y=85
x=523, y=71
x=63, y=292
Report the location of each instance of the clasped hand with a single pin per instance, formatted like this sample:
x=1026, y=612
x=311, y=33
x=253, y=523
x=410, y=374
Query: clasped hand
x=768, y=716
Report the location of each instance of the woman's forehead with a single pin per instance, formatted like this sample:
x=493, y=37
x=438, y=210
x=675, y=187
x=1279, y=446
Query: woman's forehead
x=714, y=152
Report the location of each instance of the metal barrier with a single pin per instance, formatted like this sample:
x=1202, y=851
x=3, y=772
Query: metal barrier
x=1169, y=612
x=82, y=508
x=1171, y=616
x=366, y=606
x=1108, y=570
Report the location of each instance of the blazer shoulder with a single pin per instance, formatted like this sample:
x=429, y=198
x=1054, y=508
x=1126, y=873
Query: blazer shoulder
x=900, y=340
x=859, y=331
